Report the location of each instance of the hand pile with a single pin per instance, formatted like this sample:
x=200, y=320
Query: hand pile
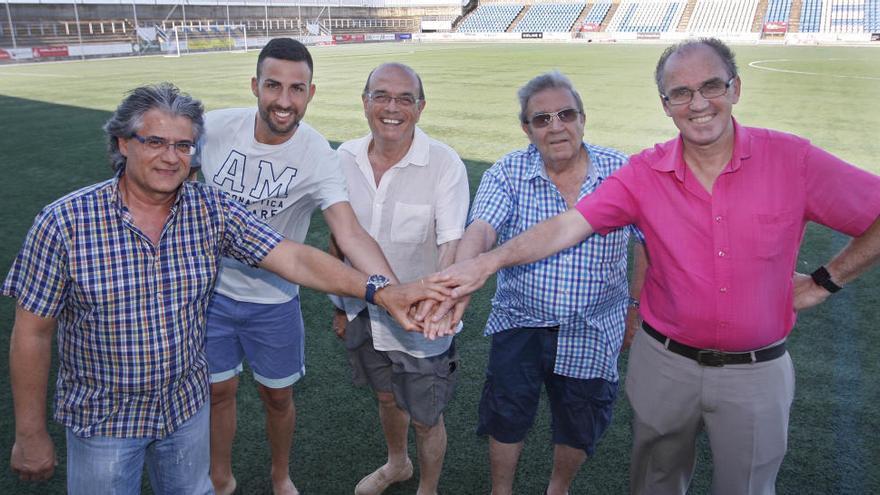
x=434, y=305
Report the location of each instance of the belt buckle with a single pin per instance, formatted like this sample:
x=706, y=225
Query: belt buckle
x=710, y=357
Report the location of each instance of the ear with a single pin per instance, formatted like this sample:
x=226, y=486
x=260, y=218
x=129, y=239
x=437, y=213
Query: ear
x=665, y=106
x=526, y=129
x=419, y=107
x=737, y=87
x=312, y=89
x=255, y=86
x=123, y=146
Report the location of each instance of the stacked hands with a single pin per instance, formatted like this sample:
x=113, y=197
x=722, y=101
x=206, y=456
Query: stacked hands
x=432, y=305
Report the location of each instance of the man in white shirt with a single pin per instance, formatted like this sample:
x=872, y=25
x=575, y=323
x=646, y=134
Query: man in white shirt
x=282, y=169
x=410, y=192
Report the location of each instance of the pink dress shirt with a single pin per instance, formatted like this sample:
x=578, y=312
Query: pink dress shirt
x=721, y=265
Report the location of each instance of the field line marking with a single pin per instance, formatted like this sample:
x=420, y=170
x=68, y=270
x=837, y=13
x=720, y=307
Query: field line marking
x=756, y=65
x=33, y=74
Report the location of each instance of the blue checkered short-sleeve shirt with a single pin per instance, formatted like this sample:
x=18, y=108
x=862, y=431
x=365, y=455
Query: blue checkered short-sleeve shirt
x=131, y=315
x=583, y=289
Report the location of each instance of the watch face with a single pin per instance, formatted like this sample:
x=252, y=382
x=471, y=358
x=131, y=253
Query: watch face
x=378, y=281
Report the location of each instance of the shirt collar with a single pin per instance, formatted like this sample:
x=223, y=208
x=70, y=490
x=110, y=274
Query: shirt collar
x=120, y=205
x=417, y=155
x=673, y=161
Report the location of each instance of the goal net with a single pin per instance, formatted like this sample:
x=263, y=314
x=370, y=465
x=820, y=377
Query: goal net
x=190, y=39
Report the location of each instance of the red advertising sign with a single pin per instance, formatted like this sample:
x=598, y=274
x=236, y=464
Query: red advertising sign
x=775, y=27
x=4, y=55
x=50, y=51
x=590, y=27
x=348, y=38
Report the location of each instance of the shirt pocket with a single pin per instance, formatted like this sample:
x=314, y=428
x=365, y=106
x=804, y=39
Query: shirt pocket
x=411, y=222
x=774, y=233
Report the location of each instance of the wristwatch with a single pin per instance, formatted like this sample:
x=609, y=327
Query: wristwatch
x=374, y=283
x=633, y=302
x=823, y=279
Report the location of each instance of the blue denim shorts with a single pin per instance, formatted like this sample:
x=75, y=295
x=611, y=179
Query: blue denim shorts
x=520, y=361
x=270, y=336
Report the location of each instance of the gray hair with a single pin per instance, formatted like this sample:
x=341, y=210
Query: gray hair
x=128, y=117
x=719, y=47
x=402, y=67
x=550, y=80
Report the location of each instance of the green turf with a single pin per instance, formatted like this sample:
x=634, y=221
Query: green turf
x=50, y=118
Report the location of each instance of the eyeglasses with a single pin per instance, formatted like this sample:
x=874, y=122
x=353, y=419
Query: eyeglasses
x=158, y=144
x=710, y=89
x=383, y=98
x=565, y=116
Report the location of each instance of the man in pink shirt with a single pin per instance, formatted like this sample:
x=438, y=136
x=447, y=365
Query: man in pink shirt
x=723, y=208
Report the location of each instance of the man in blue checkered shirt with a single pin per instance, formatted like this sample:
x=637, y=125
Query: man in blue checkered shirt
x=124, y=269
x=559, y=321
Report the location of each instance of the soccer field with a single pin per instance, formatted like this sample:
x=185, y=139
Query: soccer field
x=50, y=119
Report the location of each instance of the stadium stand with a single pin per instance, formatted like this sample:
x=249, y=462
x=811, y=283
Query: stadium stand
x=723, y=16
x=872, y=16
x=598, y=12
x=811, y=16
x=491, y=18
x=550, y=17
x=778, y=11
x=846, y=16
x=60, y=22
x=647, y=16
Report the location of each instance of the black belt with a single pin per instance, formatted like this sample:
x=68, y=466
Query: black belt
x=712, y=357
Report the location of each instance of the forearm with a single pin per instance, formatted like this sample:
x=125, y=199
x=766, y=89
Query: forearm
x=540, y=241
x=857, y=257
x=640, y=266
x=447, y=252
x=310, y=267
x=364, y=253
x=478, y=238
x=30, y=355
x=333, y=249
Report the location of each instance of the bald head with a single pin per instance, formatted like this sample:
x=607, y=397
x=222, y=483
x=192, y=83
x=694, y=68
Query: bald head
x=395, y=67
x=714, y=45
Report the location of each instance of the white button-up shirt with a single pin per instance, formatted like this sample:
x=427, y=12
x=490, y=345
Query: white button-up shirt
x=420, y=203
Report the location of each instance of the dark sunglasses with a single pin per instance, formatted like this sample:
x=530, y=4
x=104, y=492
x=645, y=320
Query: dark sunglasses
x=565, y=116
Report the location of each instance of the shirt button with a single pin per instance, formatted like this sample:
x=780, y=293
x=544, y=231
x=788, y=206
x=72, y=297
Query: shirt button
x=723, y=290
x=718, y=218
x=722, y=254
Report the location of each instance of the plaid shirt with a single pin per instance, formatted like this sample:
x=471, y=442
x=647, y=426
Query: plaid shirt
x=583, y=289
x=131, y=315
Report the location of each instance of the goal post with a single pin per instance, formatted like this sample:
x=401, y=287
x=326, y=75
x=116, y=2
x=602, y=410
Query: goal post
x=215, y=38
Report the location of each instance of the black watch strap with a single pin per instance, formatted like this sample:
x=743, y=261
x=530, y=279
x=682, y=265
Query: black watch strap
x=823, y=279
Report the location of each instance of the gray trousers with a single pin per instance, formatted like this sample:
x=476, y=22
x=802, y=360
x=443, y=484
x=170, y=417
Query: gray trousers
x=743, y=408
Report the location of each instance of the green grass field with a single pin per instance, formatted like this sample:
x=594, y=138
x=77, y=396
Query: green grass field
x=50, y=137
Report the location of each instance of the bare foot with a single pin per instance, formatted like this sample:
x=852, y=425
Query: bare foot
x=227, y=488
x=284, y=487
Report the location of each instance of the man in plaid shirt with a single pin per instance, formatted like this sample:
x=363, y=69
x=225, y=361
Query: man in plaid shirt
x=125, y=269
x=558, y=321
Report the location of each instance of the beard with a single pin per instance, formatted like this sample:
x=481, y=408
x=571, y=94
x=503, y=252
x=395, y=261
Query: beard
x=282, y=130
